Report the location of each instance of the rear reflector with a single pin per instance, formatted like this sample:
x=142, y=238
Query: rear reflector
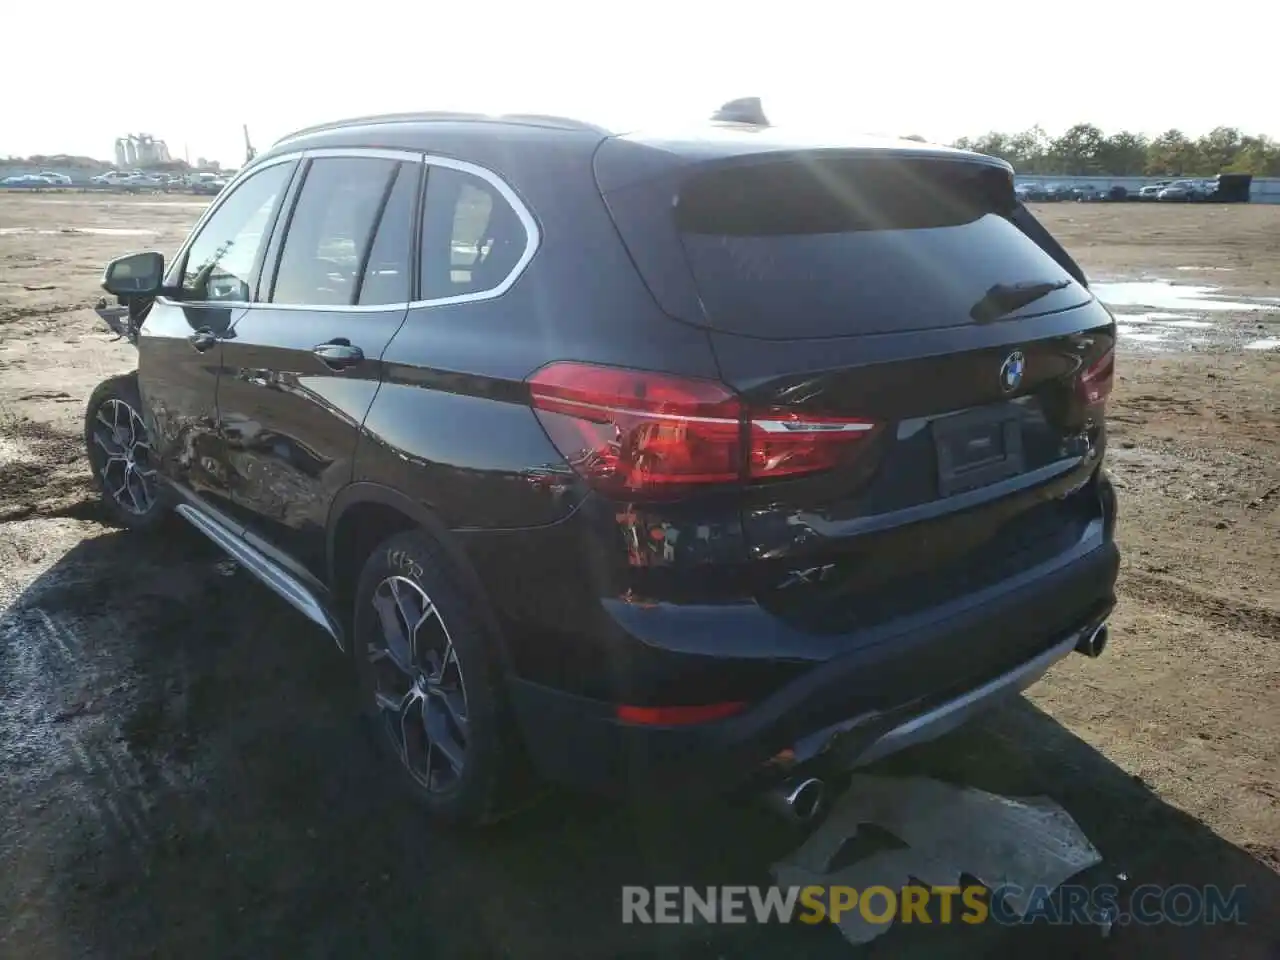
x=678, y=716
x=635, y=434
x=1094, y=384
x=786, y=444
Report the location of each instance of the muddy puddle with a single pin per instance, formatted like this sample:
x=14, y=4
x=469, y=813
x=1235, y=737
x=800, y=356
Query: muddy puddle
x=1161, y=315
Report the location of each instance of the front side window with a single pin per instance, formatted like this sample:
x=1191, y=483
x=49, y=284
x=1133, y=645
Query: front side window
x=472, y=238
x=330, y=232
x=221, y=260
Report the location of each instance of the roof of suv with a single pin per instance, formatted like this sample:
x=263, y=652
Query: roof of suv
x=427, y=118
x=704, y=140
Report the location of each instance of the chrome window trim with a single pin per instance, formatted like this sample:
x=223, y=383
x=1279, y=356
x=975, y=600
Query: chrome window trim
x=208, y=304
x=400, y=305
x=376, y=153
x=332, y=307
x=532, y=235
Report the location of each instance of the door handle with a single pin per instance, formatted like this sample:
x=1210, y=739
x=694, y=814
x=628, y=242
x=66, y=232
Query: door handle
x=202, y=339
x=338, y=354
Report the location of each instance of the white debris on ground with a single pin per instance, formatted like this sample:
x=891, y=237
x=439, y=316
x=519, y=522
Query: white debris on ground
x=948, y=831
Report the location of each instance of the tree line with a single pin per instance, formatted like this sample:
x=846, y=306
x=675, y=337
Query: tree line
x=63, y=161
x=1085, y=149
x=53, y=160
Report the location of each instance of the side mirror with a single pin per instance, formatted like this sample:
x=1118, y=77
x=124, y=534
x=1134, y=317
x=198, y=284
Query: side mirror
x=137, y=275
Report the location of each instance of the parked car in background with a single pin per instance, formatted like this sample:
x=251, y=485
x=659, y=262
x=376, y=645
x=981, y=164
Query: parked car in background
x=207, y=184
x=774, y=481
x=1152, y=190
x=144, y=181
x=30, y=180
x=58, y=179
x=1085, y=192
x=1181, y=190
x=1037, y=192
x=1059, y=192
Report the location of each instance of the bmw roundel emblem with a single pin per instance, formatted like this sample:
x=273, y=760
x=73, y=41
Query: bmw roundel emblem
x=1011, y=371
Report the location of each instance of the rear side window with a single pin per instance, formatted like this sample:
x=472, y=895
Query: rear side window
x=836, y=247
x=472, y=238
x=331, y=229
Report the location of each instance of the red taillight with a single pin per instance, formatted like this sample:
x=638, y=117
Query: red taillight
x=1095, y=382
x=639, y=434
x=679, y=716
x=635, y=434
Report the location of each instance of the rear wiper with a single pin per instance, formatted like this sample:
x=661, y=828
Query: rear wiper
x=1004, y=298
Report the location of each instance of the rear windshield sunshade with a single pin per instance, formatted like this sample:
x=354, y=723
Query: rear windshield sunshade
x=817, y=247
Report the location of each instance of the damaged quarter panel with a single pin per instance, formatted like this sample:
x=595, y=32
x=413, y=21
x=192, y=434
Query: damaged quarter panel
x=421, y=434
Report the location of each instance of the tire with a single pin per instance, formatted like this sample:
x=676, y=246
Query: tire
x=121, y=455
x=409, y=691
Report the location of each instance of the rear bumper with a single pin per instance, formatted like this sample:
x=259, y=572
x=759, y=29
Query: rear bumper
x=941, y=719
x=906, y=689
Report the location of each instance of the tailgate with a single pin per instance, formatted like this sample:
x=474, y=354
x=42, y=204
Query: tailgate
x=907, y=319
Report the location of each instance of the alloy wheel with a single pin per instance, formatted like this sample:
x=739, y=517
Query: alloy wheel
x=125, y=461
x=418, y=687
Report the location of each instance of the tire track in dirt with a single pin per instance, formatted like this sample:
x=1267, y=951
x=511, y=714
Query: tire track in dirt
x=91, y=683
x=29, y=312
x=114, y=791
x=44, y=758
x=107, y=756
x=68, y=672
x=45, y=474
x=1165, y=591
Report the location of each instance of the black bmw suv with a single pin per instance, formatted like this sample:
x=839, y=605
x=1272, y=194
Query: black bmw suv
x=636, y=460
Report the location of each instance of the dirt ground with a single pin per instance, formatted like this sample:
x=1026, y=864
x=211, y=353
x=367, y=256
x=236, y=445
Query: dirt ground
x=182, y=775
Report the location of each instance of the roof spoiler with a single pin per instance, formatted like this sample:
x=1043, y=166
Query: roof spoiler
x=742, y=110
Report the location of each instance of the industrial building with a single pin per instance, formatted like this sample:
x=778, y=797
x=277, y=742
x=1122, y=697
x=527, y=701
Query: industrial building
x=140, y=150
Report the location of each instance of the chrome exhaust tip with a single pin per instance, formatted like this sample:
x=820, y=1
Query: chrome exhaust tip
x=1094, y=643
x=798, y=800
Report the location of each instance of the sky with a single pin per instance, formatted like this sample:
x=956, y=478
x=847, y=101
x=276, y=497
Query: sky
x=198, y=71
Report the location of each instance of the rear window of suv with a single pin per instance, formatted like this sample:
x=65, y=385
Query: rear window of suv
x=472, y=238
x=825, y=247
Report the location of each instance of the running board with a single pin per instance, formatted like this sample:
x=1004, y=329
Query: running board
x=270, y=573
